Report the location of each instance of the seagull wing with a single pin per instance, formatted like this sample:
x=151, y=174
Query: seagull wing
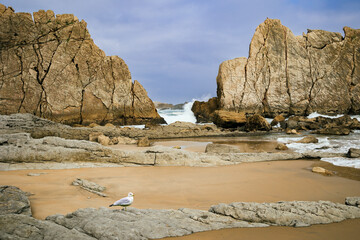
x=123, y=202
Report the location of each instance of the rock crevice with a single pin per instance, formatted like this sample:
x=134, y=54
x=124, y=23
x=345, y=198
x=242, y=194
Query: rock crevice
x=288, y=74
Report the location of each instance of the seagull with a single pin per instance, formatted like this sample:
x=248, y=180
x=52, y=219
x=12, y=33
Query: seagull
x=124, y=202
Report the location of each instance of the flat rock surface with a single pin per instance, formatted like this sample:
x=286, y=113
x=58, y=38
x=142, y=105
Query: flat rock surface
x=14, y=200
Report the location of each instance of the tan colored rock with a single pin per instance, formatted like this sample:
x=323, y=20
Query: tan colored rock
x=281, y=147
x=125, y=140
x=143, y=142
x=52, y=68
x=308, y=139
x=322, y=171
x=94, y=136
x=104, y=140
x=284, y=73
x=229, y=119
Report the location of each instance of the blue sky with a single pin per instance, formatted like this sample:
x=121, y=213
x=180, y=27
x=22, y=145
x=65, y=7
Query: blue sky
x=174, y=47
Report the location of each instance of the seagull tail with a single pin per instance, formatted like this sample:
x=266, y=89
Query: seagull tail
x=111, y=205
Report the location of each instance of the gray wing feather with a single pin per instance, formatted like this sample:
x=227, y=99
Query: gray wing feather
x=123, y=201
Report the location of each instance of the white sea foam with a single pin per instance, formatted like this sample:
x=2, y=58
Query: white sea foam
x=183, y=115
x=344, y=162
x=315, y=114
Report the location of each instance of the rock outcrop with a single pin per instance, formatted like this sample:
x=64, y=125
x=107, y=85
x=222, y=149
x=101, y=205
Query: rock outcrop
x=51, y=67
x=103, y=223
x=284, y=73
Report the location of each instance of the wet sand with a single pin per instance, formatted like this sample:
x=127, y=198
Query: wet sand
x=177, y=187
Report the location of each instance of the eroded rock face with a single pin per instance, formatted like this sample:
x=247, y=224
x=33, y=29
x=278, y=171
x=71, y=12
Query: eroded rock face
x=284, y=73
x=51, y=67
x=14, y=201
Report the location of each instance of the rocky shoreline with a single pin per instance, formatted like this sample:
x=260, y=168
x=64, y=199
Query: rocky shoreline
x=90, y=223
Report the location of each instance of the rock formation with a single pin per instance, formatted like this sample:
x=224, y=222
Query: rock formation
x=103, y=223
x=50, y=67
x=284, y=73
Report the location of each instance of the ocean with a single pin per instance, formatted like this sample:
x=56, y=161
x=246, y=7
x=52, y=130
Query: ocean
x=327, y=143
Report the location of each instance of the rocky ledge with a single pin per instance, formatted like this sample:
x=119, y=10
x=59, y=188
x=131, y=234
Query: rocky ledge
x=103, y=223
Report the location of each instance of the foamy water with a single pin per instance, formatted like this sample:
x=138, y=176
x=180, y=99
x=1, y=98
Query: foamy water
x=183, y=115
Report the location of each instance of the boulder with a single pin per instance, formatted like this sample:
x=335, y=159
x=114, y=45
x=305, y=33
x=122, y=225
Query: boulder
x=94, y=136
x=125, y=140
x=227, y=119
x=14, y=201
x=143, y=142
x=52, y=68
x=288, y=74
x=308, y=139
x=221, y=148
x=257, y=123
x=204, y=111
x=353, y=153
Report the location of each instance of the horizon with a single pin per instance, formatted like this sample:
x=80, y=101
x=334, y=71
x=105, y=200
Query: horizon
x=174, y=48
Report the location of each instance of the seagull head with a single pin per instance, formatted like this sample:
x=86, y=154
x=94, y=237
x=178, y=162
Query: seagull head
x=130, y=194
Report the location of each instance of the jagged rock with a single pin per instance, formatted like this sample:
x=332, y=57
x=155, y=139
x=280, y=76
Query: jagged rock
x=13, y=201
x=90, y=186
x=297, y=213
x=143, y=142
x=308, y=139
x=322, y=171
x=221, y=148
x=353, y=153
x=353, y=201
x=228, y=119
x=281, y=147
x=284, y=73
x=204, y=111
x=257, y=123
x=52, y=68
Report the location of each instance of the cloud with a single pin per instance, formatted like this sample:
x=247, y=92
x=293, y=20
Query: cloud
x=174, y=47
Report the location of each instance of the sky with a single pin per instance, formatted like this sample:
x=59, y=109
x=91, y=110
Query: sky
x=174, y=47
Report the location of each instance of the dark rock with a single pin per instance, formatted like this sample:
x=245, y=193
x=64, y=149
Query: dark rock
x=333, y=131
x=257, y=123
x=204, y=111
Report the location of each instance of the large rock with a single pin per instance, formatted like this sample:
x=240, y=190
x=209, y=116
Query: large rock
x=284, y=73
x=353, y=153
x=257, y=123
x=52, y=68
x=14, y=201
x=204, y=111
x=228, y=119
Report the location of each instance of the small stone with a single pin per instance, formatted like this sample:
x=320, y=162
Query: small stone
x=281, y=146
x=177, y=147
x=308, y=139
x=322, y=171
